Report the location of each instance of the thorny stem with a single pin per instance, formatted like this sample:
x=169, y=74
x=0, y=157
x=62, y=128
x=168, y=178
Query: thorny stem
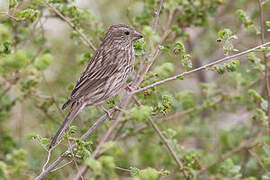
x=138, y=79
x=266, y=77
x=63, y=115
x=167, y=143
x=172, y=152
x=173, y=116
x=61, y=158
x=200, y=68
x=83, y=36
x=154, y=27
x=248, y=144
x=103, y=118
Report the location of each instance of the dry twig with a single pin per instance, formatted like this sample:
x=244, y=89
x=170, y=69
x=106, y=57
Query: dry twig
x=83, y=36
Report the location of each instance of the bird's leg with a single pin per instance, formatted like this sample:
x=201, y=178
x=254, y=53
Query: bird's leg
x=109, y=114
x=129, y=87
x=119, y=109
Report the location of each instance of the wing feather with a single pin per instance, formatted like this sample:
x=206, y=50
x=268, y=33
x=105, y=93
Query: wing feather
x=99, y=69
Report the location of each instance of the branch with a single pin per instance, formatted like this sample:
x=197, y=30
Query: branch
x=126, y=97
x=248, y=144
x=61, y=158
x=5, y=91
x=172, y=116
x=136, y=82
x=154, y=26
x=199, y=69
x=83, y=36
x=10, y=16
x=266, y=77
x=167, y=143
x=172, y=152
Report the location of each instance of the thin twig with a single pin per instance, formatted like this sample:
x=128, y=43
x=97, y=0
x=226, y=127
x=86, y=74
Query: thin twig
x=122, y=169
x=135, y=84
x=5, y=91
x=56, y=169
x=266, y=78
x=258, y=160
x=10, y=16
x=83, y=36
x=72, y=154
x=61, y=158
x=247, y=144
x=102, y=118
x=264, y=2
x=154, y=27
x=167, y=143
x=63, y=115
x=47, y=161
x=173, y=116
x=200, y=68
x=123, y=102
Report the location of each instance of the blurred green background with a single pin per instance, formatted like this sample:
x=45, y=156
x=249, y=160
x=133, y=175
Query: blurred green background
x=215, y=120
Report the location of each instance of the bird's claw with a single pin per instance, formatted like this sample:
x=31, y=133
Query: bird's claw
x=129, y=87
x=108, y=113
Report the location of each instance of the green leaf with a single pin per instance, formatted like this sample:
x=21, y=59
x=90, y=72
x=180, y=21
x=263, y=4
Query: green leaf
x=148, y=174
x=140, y=113
x=169, y=133
x=147, y=31
x=229, y=169
x=107, y=161
x=186, y=99
x=5, y=48
x=43, y=62
x=17, y=60
x=164, y=70
x=180, y=77
x=266, y=149
x=28, y=14
x=179, y=48
x=134, y=171
x=94, y=165
x=186, y=61
x=12, y=3
x=84, y=58
x=267, y=23
x=5, y=33
x=31, y=136
x=108, y=146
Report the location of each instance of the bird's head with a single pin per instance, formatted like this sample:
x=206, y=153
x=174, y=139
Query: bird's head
x=122, y=33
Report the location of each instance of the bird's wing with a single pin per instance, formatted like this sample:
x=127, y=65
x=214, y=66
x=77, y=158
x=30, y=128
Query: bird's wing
x=94, y=77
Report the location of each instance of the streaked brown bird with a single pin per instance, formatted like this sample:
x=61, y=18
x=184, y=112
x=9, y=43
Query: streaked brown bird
x=105, y=75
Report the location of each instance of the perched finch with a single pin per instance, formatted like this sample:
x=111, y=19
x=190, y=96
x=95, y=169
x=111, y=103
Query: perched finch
x=105, y=75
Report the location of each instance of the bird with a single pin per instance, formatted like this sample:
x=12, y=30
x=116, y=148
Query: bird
x=104, y=76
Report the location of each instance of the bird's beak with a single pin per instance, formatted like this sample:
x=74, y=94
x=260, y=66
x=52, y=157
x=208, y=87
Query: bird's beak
x=137, y=35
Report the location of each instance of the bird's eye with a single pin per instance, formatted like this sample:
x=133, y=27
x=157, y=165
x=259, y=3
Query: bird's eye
x=126, y=32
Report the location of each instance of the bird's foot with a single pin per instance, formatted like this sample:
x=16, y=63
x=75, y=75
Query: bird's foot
x=129, y=87
x=109, y=114
x=119, y=109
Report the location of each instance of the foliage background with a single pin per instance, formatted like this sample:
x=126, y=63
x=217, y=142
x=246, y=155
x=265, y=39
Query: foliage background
x=215, y=120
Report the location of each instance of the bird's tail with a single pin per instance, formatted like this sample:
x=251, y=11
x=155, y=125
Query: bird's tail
x=74, y=110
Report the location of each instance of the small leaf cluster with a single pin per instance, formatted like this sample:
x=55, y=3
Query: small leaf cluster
x=179, y=49
x=225, y=37
x=246, y=21
x=227, y=67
